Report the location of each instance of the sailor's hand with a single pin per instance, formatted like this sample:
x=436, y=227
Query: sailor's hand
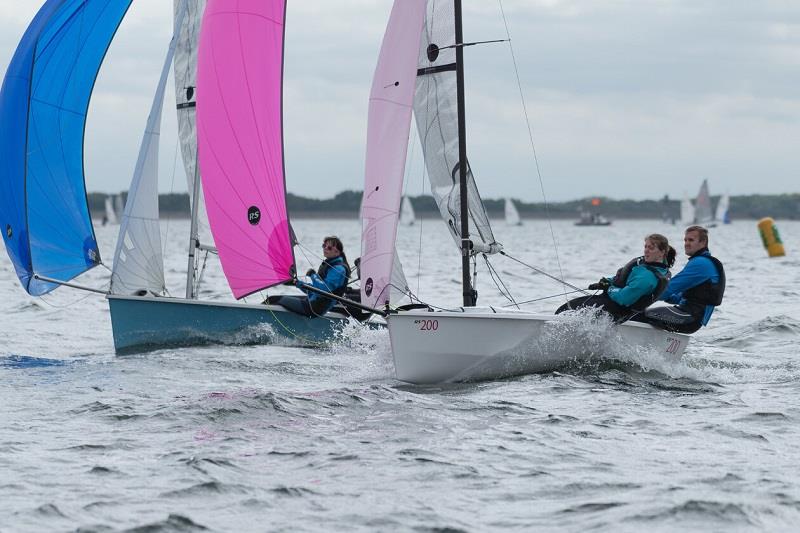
x=310, y=272
x=601, y=285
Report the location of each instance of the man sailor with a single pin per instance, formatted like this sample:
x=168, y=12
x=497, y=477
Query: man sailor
x=696, y=290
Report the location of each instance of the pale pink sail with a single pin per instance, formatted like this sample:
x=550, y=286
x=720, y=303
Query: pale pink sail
x=240, y=140
x=390, y=106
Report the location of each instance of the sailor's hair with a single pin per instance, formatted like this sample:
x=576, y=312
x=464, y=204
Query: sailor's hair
x=701, y=232
x=662, y=244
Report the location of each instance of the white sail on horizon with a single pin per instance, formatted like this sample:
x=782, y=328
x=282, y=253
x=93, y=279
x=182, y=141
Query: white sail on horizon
x=407, y=215
x=512, y=215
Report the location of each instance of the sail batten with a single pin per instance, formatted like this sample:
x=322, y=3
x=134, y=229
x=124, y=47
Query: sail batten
x=44, y=211
x=240, y=140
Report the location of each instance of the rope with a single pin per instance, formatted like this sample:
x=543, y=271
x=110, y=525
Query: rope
x=530, y=137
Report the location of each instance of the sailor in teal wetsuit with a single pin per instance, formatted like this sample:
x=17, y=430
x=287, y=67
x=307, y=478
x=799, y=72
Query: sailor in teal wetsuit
x=332, y=276
x=696, y=290
x=635, y=286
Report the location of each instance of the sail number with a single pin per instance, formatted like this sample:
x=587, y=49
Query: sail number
x=427, y=325
x=673, y=345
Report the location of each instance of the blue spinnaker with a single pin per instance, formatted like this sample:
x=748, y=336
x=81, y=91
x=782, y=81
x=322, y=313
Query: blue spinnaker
x=44, y=212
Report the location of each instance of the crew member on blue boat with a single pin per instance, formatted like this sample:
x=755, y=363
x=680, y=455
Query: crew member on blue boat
x=635, y=286
x=332, y=276
x=696, y=290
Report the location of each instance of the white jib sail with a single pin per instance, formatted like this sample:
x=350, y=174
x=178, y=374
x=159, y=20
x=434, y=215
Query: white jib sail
x=436, y=112
x=138, y=262
x=186, y=100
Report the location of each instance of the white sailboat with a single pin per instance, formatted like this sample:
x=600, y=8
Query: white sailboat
x=247, y=223
x=420, y=70
x=119, y=205
x=721, y=214
x=111, y=215
x=407, y=216
x=687, y=211
x=512, y=215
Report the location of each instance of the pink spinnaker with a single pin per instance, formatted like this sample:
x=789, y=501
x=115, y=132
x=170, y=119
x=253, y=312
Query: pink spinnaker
x=240, y=140
x=390, y=105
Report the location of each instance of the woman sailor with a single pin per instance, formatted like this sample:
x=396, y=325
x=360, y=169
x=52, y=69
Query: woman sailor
x=332, y=276
x=635, y=286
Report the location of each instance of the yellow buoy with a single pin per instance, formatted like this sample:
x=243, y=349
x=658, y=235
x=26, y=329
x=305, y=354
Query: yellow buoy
x=770, y=237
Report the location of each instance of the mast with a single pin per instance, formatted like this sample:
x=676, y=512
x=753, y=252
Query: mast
x=194, y=243
x=470, y=295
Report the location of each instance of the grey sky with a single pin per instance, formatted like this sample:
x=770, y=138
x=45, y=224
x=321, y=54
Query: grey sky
x=626, y=98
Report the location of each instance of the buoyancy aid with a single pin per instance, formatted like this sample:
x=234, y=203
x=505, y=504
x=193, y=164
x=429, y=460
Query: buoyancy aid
x=621, y=279
x=320, y=304
x=707, y=293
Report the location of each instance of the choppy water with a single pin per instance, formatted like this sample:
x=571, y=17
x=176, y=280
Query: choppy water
x=263, y=438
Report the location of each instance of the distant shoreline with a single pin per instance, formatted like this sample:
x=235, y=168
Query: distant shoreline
x=346, y=205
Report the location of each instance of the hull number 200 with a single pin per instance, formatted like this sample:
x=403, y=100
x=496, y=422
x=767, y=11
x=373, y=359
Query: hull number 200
x=427, y=325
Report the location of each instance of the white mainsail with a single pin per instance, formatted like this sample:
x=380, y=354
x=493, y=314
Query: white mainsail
x=687, y=211
x=407, y=216
x=119, y=205
x=512, y=215
x=436, y=112
x=111, y=216
x=186, y=95
x=138, y=261
x=723, y=205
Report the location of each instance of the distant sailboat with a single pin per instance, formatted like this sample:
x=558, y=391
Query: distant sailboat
x=111, y=214
x=119, y=205
x=407, y=216
x=687, y=211
x=702, y=206
x=512, y=215
x=722, y=214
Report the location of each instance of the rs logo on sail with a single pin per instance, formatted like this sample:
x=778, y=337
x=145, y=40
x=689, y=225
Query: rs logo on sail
x=254, y=215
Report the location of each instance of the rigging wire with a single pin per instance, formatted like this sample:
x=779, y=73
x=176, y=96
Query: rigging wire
x=171, y=190
x=543, y=298
x=530, y=137
x=540, y=271
x=504, y=289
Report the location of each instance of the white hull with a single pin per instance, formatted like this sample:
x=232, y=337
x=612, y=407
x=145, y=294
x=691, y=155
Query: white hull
x=484, y=343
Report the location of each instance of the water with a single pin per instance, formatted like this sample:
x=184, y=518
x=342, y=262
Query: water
x=265, y=438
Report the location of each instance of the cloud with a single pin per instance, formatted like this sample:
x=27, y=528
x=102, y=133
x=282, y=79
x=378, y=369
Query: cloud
x=626, y=98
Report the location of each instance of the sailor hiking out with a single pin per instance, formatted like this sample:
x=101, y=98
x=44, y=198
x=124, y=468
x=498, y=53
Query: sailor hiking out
x=635, y=286
x=696, y=290
x=332, y=276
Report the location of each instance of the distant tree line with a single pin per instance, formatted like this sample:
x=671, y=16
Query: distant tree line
x=347, y=204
